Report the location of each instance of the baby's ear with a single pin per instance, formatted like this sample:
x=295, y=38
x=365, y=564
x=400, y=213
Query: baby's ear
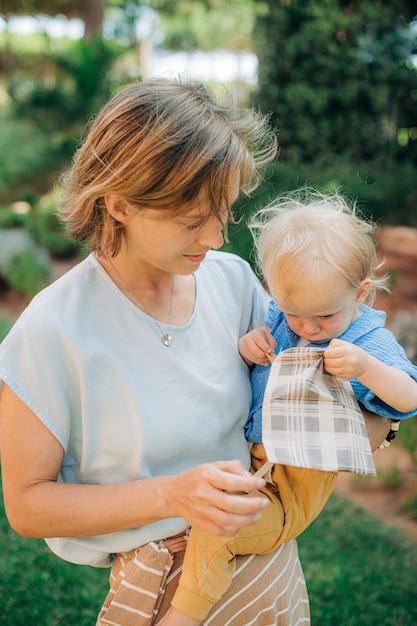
x=363, y=291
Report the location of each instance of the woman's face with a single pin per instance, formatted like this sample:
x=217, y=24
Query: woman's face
x=178, y=244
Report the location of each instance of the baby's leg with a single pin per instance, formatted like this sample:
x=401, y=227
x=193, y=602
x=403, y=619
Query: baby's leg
x=302, y=493
x=210, y=562
x=297, y=496
x=173, y=617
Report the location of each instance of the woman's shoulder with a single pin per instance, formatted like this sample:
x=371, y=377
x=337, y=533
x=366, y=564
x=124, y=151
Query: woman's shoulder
x=227, y=263
x=57, y=299
x=225, y=269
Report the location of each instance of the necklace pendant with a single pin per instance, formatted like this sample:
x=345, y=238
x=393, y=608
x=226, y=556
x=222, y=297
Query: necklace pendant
x=167, y=340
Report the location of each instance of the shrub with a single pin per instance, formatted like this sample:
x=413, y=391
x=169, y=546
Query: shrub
x=391, y=476
x=11, y=219
x=13, y=241
x=410, y=503
x=24, y=266
x=387, y=195
x=32, y=155
x=49, y=233
x=407, y=437
x=30, y=272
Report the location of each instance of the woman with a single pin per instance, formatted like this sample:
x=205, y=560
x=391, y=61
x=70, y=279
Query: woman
x=124, y=396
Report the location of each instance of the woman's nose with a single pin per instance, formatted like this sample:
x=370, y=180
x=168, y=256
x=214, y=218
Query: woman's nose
x=211, y=235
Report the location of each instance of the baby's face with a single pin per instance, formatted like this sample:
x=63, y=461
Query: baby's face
x=320, y=312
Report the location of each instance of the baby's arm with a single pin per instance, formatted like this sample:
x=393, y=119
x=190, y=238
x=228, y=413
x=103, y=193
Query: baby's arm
x=256, y=345
x=391, y=385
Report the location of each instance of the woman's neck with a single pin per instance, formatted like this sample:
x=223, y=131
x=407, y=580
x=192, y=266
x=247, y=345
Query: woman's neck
x=169, y=298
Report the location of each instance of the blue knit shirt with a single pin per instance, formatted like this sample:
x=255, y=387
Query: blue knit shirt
x=367, y=331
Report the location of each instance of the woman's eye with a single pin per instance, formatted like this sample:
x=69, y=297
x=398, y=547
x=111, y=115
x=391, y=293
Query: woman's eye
x=194, y=226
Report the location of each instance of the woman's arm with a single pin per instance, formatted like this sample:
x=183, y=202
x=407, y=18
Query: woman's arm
x=39, y=506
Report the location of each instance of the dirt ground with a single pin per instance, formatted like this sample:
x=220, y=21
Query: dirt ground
x=398, y=247
x=373, y=494
x=398, y=250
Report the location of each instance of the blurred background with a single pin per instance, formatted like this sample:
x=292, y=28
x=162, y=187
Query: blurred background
x=339, y=78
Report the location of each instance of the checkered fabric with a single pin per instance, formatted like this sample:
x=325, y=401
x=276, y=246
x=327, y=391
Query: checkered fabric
x=311, y=418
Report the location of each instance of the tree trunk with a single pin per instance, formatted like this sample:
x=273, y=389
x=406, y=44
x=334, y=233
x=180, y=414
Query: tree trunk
x=93, y=16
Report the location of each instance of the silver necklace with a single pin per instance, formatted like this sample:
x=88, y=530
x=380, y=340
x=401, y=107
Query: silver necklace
x=166, y=337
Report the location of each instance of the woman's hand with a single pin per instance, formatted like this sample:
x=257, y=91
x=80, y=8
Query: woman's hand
x=212, y=497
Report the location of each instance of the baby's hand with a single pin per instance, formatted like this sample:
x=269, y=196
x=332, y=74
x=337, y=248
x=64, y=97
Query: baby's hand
x=256, y=345
x=345, y=360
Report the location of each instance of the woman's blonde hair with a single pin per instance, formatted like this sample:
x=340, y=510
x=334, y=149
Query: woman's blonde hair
x=307, y=235
x=158, y=144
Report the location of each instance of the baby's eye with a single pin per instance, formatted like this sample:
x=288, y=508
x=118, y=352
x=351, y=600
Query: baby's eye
x=326, y=317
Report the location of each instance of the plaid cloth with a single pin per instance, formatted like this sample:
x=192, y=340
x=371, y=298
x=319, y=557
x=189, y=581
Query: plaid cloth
x=311, y=418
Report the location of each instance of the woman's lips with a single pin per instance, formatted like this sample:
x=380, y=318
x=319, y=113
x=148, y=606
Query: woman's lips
x=195, y=258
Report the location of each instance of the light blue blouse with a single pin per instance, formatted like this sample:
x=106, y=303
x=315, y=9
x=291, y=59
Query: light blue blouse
x=92, y=367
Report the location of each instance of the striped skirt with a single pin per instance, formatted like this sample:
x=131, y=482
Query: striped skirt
x=266, y=590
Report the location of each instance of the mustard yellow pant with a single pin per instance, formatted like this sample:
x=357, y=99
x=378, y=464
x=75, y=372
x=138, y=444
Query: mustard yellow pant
x=296, y=496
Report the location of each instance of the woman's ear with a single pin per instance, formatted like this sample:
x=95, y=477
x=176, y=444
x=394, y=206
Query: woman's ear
x=117, y=207
x=363, y=291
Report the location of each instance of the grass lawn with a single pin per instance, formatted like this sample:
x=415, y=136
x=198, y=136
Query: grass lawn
x=38, y=588
x=358, y=573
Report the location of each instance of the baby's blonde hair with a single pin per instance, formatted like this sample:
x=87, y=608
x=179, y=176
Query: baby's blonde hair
x=307, y=235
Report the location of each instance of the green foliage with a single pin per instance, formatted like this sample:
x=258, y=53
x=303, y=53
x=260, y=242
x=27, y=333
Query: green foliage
x=206, y=24
x=25, y=153
x=24, y=266
x=30, y=272
x=388, y=196
x=407, y=437
x=5, y=326
x=338, y=77
x=48, y=231
x=80, y=86
x=13, y=242
x=39, y=588
x=391, y=476
x=10, y=219
x=48, y=107
x=410, y=504
x=358, y=571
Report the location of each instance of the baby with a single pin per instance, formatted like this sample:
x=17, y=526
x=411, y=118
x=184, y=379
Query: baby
x=319, y=260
